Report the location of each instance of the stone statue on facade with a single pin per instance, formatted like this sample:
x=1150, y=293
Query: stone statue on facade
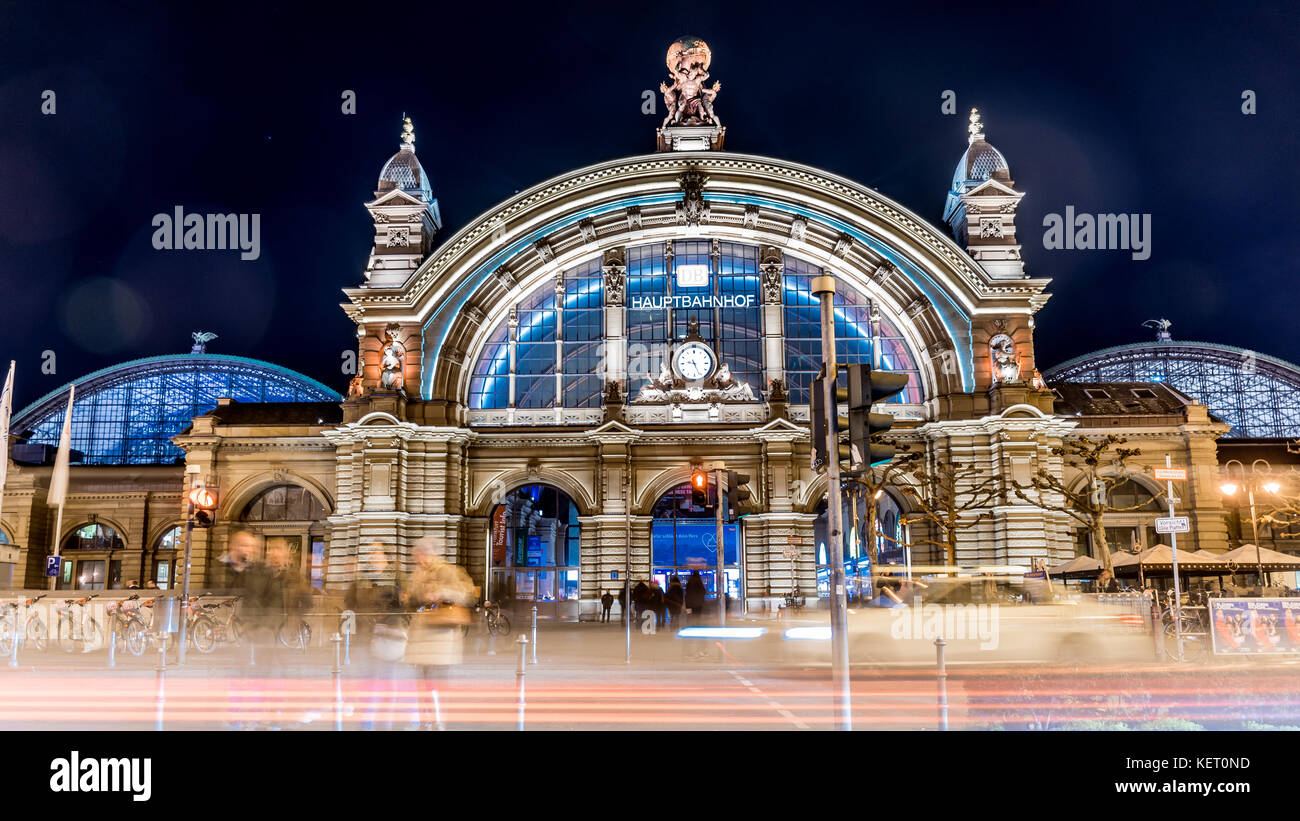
x=201, y=340
x=688, y=101
x=1006, y=366
x=391, y=357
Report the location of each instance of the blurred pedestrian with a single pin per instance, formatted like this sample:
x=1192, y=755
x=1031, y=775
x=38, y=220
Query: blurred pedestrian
x=441, y=592
x=695, y=595
x=1106, y=583
x=657, y=602
x=622, y=603
x=676, y=600
x=376, y=597
x=606, y=602
x=639, y=594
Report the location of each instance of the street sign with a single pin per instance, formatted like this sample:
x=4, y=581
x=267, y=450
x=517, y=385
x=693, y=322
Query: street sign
x=52, y=566
x=1171, y=474
x=613, y=574
x=790, y=552
x=348, y=623
x=1173, y=524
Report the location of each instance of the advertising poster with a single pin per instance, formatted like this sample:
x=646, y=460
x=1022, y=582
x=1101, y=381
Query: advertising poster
x=499, y=517
x=1240, y=626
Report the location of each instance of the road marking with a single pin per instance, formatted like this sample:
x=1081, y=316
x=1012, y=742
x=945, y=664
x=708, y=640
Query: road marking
x=781, y=711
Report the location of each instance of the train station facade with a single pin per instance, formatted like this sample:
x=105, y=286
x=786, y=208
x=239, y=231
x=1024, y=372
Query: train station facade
x=534, y=390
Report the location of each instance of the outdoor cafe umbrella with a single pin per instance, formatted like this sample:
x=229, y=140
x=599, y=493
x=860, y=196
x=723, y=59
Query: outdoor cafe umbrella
x=1159, y=560
x=1080, y=567
x=1248, y=557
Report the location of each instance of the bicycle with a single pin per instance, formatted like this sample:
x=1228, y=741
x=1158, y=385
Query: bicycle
x=497, y=623
x=294, y=636
x=208, y=631
x=125, y=624
x=34, y=629
x=1192, y=622
x=74, y=634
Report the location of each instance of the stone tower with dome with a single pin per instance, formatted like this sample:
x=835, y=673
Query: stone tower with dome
x=981, y=206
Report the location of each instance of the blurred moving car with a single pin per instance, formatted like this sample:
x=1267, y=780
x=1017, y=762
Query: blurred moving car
x=981, y=619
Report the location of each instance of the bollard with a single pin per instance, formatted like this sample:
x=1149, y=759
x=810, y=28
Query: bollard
x=939, y=644
x=337, y=674
x=519, y=677
x=112, y=641
x=19, y=635
x=534, y=634
x=161, y=671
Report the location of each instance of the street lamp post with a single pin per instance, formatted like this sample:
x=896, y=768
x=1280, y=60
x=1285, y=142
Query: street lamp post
x=1250, y=481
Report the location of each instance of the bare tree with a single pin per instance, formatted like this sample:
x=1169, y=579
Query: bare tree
x=872, y=482
x=945, y=494
x=1090, y=503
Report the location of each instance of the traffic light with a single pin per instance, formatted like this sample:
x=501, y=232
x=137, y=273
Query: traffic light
x=866, y=388
x=700, y=488
x=738, y=495
x=820, y=419
x=203, y=505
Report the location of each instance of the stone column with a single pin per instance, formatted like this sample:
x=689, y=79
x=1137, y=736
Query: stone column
x=772, y=268
x=614, y=268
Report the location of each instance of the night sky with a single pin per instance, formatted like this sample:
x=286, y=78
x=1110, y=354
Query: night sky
x=1117, y=108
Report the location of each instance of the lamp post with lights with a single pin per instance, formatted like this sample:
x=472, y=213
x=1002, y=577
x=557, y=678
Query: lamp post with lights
x=1255, y=478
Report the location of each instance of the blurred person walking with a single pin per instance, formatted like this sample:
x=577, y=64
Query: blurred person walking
x=606, y=602
x=377, y=601
x=676, y=601
x=441, y=593
x=656, y=602
x=695, y=595
x=639, y=593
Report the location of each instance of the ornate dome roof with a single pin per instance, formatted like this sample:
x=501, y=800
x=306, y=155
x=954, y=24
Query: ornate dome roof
x=980, y=160
x=403, y=170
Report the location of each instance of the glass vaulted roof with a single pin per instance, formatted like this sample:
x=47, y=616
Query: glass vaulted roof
x=127, y=414
x=1258, y=395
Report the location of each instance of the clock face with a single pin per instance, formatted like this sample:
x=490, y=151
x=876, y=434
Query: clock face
x=694, y=362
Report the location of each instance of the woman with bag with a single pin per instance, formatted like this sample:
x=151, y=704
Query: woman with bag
x=440, y=593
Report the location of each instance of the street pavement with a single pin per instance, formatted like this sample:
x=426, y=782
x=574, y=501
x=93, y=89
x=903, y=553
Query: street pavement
x=583, y=680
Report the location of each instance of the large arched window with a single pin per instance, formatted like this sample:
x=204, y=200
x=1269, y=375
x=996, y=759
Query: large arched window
x=547, y=352
x=552, y=325
x=91, y=558
x=92, y=536
x=535, y=551
x=853, y=334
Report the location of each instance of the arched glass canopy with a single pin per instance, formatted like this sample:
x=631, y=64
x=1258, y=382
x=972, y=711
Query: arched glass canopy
x=557, y=342
x=128, y=414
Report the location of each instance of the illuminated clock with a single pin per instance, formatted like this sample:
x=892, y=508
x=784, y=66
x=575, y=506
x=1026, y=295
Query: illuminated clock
x=694, y=361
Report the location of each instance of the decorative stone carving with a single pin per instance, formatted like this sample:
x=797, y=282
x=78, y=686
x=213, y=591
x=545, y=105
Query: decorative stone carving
x=842, y=245
x=634, y=218
x=506, y=278
x=798, y=229
x=614, y=266
x=381, y=219
x=721, y=387
x=751, y=217
x=972, y=208
x=883, y=272
x=356, y=387
x=999, y=325
x=776, y=391
x=916, y=307
x=1006, y=365
x=772, y=268
x=687, y=100
x=543, y=249
x=990, y=227
x=587, y=227
x=398, y=238
x=474, y=314
x=693, y=209
x=453, y=355
x=1009, y=208
x=392, y=356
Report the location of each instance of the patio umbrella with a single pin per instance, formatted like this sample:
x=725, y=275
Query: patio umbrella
x=1159, y=560
x=1248, y=558
x=1080, y=567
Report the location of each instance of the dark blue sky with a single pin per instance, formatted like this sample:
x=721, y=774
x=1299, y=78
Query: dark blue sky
x=1123, y=108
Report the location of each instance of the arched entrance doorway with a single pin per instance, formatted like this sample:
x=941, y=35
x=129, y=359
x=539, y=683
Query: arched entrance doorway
x=533, y=550
x=291, y=517
x=888, y=544
x=684, y=539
